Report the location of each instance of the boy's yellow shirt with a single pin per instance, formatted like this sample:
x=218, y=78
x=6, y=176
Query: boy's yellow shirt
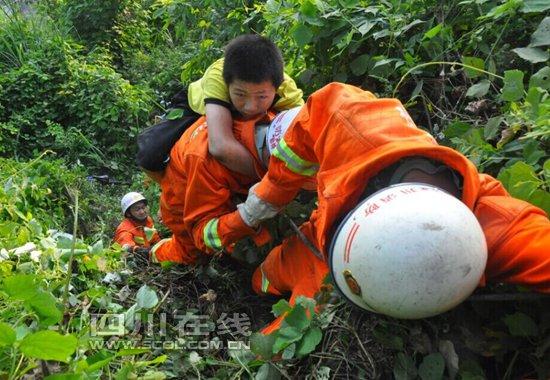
x=211, y=88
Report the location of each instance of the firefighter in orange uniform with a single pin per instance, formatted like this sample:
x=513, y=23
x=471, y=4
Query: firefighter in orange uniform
x=130, y=233
x=197, y=190
x=356, y=144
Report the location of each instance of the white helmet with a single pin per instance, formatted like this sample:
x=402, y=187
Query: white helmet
x=129, y=199
x=268, y=136
x=408, y=251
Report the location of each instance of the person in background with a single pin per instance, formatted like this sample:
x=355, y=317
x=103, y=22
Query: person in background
x=136, y=233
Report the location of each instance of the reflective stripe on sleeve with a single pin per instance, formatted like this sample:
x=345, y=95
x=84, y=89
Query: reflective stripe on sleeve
x=294, y=162
x=210, y=235
x=265, y=281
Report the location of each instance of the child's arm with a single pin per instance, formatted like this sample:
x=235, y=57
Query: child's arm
x=222, y=145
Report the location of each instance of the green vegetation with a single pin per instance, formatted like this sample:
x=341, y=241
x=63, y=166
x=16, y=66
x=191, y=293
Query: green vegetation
x=80, y=79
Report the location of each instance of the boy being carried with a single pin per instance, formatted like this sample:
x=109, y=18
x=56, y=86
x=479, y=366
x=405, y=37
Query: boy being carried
x=246, y=83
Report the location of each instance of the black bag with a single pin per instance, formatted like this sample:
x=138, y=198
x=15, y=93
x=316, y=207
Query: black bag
x=156, y=141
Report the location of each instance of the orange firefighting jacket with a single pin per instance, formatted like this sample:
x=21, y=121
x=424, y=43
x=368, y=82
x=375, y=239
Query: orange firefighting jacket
x=131, y=233
x=344, y=136
x=196, y=199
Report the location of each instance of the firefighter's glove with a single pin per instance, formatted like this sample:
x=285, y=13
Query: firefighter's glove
x=255, y=210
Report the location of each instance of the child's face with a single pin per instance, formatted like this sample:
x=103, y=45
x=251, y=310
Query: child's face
x=139, y=211
x=251, y=99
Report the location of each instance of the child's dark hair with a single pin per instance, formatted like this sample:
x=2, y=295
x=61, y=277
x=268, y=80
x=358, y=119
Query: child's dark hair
x=253, y=58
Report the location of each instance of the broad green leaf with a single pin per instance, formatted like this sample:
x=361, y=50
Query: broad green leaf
x=457, y=129
x=49, y=345
x=308, y=9
x=541, y=78
x=175, y=113
x=310, y=340
x=288, y=352
x=520, y=180
x=302, y=35
x=262, y=345
x=97, y=248
x=432, y=32
x=280, y=307
x=290, y=333
x=381, y=34
x=492, y=127
x=365, y=27
x=297, y=318
x=64, y=240
x=432, y=367
x=44, y=304
x=94, y=362
x=267, y=372
x=307, y=303
x=410, y=25
x=535, y=6
x=404, y=368
x=532, y=54
x=474, y=62
x=20, y=286
x=546, y=170
x=541, y=198
x=7, y=334
x=541, y=37
x=532, y=152
x=146, y=298
x=533, y=98
x=22, y=331
x=360, y=64
x=35, y=227
x=513, y=85
x=520, y=324
x=284, y=337
x=479, y=90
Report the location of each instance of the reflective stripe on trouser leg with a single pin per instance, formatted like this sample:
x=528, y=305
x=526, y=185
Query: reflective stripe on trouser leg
x=210, y=235
x=155, y=248
x=265, y=280
x=293, y=161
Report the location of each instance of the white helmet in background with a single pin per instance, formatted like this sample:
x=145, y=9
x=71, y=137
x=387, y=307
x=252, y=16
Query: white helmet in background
x=408, y=251
x=268, y=136
x=129, y=199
